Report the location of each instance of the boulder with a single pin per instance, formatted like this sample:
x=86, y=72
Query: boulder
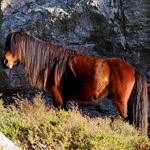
x=6, y=144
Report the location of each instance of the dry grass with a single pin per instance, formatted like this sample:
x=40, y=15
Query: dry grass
x=32, y=125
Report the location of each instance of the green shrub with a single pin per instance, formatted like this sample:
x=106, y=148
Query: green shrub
x=34, y=125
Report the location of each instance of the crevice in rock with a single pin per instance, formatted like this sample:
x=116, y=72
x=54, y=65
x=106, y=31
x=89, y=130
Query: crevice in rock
x=1, y=20
x=126, y=58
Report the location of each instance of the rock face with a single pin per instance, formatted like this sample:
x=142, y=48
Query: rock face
x=111, y=27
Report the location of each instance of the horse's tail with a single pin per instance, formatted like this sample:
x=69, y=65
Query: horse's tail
x=138, y=104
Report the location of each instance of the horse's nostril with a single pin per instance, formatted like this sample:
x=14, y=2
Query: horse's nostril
x=5, y=61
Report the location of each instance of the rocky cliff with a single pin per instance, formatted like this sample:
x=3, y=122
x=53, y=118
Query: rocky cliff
x=103, y=27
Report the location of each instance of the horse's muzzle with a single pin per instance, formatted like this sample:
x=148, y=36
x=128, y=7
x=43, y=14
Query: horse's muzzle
x=5, y=63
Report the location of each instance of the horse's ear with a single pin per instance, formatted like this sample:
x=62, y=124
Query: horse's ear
x=22, y=31
x=10, y=29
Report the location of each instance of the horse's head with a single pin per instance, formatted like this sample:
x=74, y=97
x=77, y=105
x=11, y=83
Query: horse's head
x=11, y=58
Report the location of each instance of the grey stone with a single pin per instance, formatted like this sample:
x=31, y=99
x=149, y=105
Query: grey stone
x=6, y=144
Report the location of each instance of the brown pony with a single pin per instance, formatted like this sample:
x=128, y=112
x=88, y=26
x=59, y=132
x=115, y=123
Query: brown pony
x=67, y=74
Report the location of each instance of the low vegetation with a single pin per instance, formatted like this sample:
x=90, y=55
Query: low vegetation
x=32, y=125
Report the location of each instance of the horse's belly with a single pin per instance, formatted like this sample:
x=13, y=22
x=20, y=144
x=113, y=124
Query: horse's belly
x=102, y=97
x=90, y=97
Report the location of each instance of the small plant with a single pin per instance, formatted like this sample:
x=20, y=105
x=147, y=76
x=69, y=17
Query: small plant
x=32, y=125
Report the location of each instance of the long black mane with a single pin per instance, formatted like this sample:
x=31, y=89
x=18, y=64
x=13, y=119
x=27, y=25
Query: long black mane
x=39, y=58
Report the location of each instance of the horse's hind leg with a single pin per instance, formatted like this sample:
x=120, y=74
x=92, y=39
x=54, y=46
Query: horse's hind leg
x=121, y=106
x=120, y=86
x=121, y=82
x=120, y=97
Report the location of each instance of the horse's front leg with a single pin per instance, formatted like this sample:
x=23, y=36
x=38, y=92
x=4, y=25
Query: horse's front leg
x=59, y=99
